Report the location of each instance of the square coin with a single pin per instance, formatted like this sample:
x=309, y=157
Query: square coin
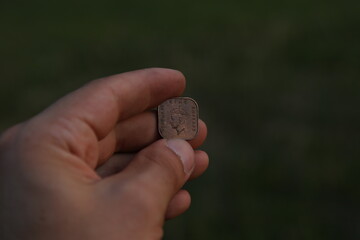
x=178, y=118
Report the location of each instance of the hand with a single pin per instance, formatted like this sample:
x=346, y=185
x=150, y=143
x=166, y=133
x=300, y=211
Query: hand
x=71, y=171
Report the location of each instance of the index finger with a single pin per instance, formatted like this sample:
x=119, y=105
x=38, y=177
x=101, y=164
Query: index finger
x=102, y=103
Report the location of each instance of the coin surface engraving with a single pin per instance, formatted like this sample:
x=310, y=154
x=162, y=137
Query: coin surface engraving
x=178, y=118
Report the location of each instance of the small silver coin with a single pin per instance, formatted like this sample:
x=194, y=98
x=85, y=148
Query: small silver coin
x=178, y=118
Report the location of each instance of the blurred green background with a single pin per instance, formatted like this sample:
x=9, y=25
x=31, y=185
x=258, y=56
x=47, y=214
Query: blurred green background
x=277, y=83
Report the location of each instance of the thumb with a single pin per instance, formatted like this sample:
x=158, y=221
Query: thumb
x=155, y=174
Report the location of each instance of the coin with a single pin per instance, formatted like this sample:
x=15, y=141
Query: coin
x=178, y=118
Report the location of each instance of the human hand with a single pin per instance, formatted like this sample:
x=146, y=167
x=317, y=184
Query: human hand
x=92, y=165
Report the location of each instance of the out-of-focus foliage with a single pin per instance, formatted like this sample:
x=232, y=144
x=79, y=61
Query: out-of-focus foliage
x=278, y=83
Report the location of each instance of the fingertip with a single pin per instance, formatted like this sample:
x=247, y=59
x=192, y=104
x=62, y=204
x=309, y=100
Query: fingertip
x=201, y=164
x=203, y=128
x=201, y=136
x=175, y=76
x=185, y=153
x=179, y=77
x=178, y=204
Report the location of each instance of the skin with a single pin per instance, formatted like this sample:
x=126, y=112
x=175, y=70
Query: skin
x=92, y=165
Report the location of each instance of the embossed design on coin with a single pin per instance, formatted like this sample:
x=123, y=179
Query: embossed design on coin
x=178, y=118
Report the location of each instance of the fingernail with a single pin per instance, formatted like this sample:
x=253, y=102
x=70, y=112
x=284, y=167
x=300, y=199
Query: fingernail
x=184, y=151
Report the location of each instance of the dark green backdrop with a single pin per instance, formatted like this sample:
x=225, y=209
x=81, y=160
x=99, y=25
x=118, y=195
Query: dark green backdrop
x=277, y=82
